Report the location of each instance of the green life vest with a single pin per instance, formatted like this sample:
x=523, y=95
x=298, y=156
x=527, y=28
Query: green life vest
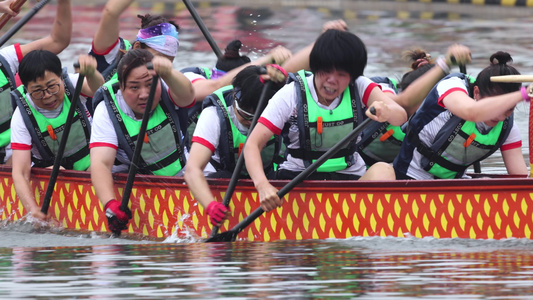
x=458, y=145
x=47, y=133
x=316, y=139
x=7, y=84
x=160, y=154
x=231, y=139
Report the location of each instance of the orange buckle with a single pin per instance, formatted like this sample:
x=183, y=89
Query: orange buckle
x=469, y=140
x=51, y=132
x=319, y=126
x=386, y=135
x=241, y=145
x=146, y=140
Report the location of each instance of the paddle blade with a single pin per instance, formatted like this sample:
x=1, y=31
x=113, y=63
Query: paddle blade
x=227, y=236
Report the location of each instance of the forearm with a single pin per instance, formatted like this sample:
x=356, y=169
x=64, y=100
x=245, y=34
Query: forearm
x=198, y=185
x=181, y=89
x=254, y=164
x=109, y=28
x=62, y=28
x=411, y=98
x=102, y=180
x=24, y=191
x=93, y=82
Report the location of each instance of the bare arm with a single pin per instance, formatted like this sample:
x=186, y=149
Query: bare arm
x=514, y=161
x=21, y=174
x=254, y=165
x=194, y=175
x=387, y=110
x=59, y=38
x=108, y=30
x=102, y=159
x=461, y=105
x=93, y=78
x=204, y=88
x=411, y=98
x=181, y=89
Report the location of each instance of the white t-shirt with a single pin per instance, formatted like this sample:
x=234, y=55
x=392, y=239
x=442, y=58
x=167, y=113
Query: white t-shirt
x=20, y=135
x=428, y=133
x=207, y=132
x=103, y=133
x=283, y=109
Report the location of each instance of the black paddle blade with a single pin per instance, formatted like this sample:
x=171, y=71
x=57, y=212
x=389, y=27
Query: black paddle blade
x=228, y=236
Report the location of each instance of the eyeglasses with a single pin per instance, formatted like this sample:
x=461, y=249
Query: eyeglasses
x=51, y=89
x=244, y=114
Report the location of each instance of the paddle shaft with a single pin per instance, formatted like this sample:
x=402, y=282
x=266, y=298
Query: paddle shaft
x=140, y=140
x=240, y=161
x=22, y=21
x=15, y=6
x=477, y=164
x=512, y=78
x=298, y=179
x=203, y=28
x=62, y=145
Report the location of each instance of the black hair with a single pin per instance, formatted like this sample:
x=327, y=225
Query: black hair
x=249, y=84
x=132, y=59
x=339, y=50
x=232, y=58
x=498, y=67
x=149, y=20
x=34, y=64
x=421, y=62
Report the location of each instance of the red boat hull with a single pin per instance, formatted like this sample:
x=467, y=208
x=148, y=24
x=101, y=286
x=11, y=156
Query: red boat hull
x=496, y=208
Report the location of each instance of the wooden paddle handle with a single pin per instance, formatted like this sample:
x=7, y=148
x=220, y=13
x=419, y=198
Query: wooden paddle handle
x=512, y=78
x=15, y=6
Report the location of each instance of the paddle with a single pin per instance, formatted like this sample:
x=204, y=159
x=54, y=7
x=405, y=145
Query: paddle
x=15, y=6
x=231, y=235
x=203, y=28
x=138, y=146
x=477, y=164
x=22, y=21
x=240, y=162
x=62, y=143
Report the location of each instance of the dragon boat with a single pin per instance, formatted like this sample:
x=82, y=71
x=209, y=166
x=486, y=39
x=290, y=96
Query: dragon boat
x=482, y=208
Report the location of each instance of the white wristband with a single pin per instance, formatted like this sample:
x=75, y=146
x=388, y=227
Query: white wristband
x=441, y=62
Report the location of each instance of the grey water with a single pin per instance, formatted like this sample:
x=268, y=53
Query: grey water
x=37, y=263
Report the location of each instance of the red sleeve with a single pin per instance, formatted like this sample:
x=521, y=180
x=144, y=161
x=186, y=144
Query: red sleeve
x=105, y=51
x=270, y=126
x=18, y=146
x=99, y=144
x=18, y=51
x=204, y=142
x=447, y=93
x=368, y=90
x=511, y=146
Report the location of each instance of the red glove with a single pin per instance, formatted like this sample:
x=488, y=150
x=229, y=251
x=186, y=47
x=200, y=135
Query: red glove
x=217, y=212
x=117, y=219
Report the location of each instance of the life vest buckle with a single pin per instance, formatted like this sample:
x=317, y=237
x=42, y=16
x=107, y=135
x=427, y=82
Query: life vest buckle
x=386, y=135
x=51, y=132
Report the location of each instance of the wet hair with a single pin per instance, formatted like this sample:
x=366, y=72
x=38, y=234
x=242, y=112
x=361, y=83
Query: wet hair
x=421, y=62
x=34, y=64
x=232, y=58
x=498, y=67
x=249, y=84
x=338, y=50
x=131, y=60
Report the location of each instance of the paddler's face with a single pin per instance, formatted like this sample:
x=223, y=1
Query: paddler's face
x=136, y=89
x=329, y=85
x=47, y=92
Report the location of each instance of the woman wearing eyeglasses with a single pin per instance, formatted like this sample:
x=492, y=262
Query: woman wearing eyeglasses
x=43, y=102
x=221, y=132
